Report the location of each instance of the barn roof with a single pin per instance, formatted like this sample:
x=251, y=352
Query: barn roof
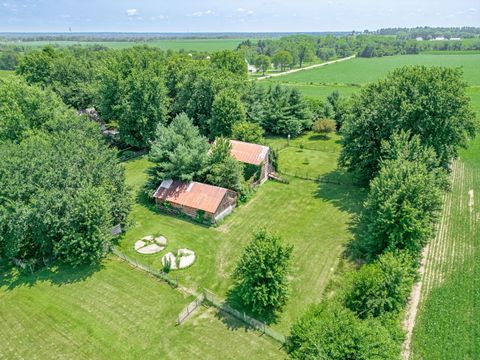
x=192, y=194
x=248, y=153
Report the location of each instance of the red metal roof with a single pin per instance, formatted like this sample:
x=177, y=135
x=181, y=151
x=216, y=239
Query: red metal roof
x=248, y=153
x=192, y=194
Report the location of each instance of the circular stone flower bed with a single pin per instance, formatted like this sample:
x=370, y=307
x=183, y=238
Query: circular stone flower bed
x=150, y=245
x=183, y=259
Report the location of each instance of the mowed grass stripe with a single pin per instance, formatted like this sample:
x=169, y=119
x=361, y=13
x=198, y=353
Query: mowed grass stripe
x=115, y=312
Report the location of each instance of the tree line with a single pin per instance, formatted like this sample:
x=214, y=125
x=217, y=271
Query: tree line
x=401, y=145
x=62, y=188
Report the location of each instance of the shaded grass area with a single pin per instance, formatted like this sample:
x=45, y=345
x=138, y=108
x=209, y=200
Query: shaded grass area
x=314, y=218
x=113, y=312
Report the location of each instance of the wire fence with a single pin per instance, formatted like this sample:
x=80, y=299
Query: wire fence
x=327, y=179
x=207, y=296
x=190, y=308
x=220, y=304
x=157, y=273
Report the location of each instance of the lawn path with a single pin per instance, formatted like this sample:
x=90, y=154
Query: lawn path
x=305, y=68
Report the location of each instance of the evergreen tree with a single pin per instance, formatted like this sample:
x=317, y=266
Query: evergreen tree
x=179, y=150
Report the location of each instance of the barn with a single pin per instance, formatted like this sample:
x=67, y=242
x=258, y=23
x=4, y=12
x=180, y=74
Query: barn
x=254, y=155
x=197, y=200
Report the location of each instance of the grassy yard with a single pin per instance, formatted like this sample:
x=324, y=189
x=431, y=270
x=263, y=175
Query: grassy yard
x=167, y=44
x=113, y=312
x=314, y=218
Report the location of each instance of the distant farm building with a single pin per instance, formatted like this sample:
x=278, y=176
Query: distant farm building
x=456, y=39
x=439, y=38
x=253, y=154
x=196, y=200
x=419, y=38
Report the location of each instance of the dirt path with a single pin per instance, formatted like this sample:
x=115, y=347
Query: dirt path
x=411, y=315
x=305, y=68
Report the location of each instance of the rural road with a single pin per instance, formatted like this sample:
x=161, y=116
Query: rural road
x=305, y=68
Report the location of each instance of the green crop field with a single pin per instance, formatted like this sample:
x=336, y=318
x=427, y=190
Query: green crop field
x=173, y=44
x=348, y=76
x=313, y=217
x=448, y=324
x=113, y=312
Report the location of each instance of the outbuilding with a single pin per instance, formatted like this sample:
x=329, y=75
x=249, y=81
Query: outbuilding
x=197, y=200
x=253, y=154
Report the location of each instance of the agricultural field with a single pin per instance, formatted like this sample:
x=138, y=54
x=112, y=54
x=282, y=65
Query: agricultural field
x=167, y=44
x=447, y=326
x=313, y=217
x=113, y=312
x=347, y=77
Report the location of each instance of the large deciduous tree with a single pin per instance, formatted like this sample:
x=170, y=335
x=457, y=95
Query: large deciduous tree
x=282, y=59
x=262, y=274
x=429, y=102
x=330, y=331
x=401, y=208
x=24, y=108
x=227, y=109
x=62, y=190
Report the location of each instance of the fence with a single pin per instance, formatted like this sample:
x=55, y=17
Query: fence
x=127, y=154
x=207, y=296
x=190, y=308
x=159, y=274
x=219, y=303
x=328, y=179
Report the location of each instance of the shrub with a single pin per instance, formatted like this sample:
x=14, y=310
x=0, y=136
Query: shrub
x=324, y=126
x=381, y=287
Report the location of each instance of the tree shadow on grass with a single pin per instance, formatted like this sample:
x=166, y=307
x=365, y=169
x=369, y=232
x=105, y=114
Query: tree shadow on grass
x=346, y=193
x=55, y=274
x=319, y=137
x=234, y=302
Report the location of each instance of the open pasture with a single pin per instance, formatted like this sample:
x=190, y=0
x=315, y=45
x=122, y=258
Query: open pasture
x=113, y=312
x=313, y=217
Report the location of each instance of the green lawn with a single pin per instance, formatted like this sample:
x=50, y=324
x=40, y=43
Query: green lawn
x=314, y=218
x=114, y=312
x=173, y=44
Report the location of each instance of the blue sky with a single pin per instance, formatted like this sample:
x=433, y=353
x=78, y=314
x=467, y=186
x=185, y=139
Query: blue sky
x=235, y=16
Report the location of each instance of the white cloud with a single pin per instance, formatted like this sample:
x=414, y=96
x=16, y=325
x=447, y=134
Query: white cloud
x=250, y=12
x=472, y=9
x=132, y=12
x=201, y=13
x=240, y=10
